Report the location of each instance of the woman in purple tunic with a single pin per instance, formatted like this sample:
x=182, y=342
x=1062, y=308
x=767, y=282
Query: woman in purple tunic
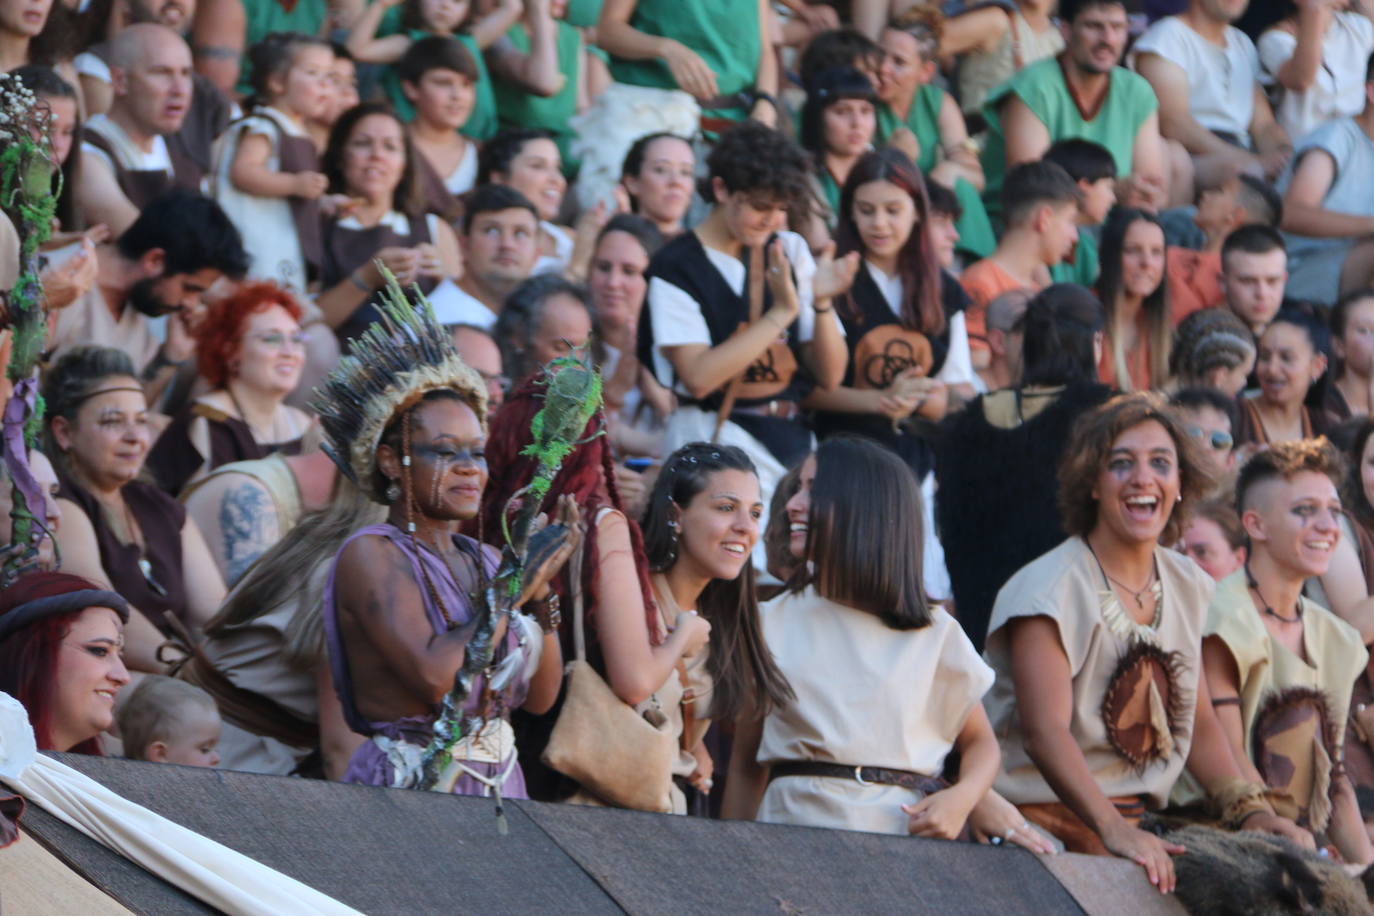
x=406, y=421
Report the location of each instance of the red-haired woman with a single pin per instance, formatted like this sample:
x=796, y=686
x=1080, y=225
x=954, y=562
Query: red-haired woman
x=69, y=695
x=626, y=641
x=250, y=348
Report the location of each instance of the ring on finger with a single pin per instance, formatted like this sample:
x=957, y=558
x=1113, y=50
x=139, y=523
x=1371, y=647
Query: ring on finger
x=1007, y=836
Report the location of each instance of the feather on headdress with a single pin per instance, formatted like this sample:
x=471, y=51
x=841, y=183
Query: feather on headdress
x=389, y=369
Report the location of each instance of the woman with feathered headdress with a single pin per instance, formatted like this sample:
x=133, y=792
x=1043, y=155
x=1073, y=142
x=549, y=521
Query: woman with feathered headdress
x=428, y=659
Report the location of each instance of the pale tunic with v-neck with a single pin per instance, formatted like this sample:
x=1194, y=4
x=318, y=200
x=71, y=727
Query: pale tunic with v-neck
x=1068, y=586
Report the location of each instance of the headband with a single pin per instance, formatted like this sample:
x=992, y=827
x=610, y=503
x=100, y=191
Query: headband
x=31, y=611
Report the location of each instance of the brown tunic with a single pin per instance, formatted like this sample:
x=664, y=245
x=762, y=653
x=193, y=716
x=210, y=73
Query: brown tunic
x=347, y=248
x=160, y=518
x=143, y=186
x=174, y=459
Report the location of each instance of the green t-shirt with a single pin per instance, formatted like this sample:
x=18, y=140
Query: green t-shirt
x=481, y=124
x=1128, y=103
x=923, y=120
x=724, y=32
x=1085, y=266
x=264, y=17
x=516, y=106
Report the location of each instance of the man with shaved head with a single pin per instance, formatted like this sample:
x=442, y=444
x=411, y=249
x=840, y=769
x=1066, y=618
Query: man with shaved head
x=127, y=159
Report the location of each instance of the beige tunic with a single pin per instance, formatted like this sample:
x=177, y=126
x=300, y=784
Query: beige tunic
x=866, y=695
x=1067, y=586
x=88, y=321
x=980, y=71
x=1335, y=658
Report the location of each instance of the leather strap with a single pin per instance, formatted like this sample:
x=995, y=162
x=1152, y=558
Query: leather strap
x=882, y=776
x=755, y=293
x=689, y=703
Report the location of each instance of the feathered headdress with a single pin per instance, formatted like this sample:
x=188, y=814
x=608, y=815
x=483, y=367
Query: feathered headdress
x=390, y=368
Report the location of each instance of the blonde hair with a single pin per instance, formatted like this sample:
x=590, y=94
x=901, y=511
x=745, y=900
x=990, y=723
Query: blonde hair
x=156, y=710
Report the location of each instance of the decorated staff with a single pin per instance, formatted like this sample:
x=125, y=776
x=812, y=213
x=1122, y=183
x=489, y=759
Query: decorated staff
x=28, y=201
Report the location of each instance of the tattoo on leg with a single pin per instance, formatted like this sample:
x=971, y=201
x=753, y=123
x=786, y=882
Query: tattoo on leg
x=248, y=522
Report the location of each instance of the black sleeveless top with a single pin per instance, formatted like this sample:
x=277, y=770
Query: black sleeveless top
x=777, y=375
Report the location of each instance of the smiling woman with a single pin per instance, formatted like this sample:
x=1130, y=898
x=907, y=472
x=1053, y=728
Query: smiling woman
x=250, y=349
x=61, y=647
x=1097, y=648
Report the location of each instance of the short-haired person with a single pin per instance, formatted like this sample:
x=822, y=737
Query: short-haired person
x=861, y=609
x=1084, y=754
x=1006, y=330
x=1351, y=392
x=500, y=243
x=1135, y=293
x=1083, y=93
x=165, y=720
x=1091, y=165
x=176, y=249
x=544, y=318
x=992, y=523
x=1206, y=74
x=250, y=350
x=1254, y=275
x=709, y=321
x=127, y=161
x=528, y=160
x=1213, y=538
x=1212, y=348
x=1209, y=417
x=371, y=160
x=61, y=642
x=1291, y=358
x=479, y=349
x=1280, y=667
x=1329, y=205
x=1194, y=253
x=1040, y=206
x=439, y=76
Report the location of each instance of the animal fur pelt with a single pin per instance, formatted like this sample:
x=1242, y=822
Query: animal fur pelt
x=1246, y=873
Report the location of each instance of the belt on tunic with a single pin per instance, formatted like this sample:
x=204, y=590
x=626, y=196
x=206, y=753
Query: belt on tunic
x=783, y=410
x=881, y=776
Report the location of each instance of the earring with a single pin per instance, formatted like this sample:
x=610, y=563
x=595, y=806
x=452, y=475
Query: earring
x=393, y=492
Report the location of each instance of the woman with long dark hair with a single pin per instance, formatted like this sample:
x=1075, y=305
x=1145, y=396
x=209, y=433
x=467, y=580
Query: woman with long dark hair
x=993, y=522
x=1134, y=289
x=858, y=616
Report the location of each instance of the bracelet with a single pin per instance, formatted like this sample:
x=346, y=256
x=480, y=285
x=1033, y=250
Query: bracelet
x=1238, y=800
x=552, y=614
x=359, y=283
x=158, y=363
x=824, y=311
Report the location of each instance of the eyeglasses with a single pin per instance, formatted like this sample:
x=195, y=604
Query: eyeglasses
x=1218, y=440
x=500, y=381
x=278, y=341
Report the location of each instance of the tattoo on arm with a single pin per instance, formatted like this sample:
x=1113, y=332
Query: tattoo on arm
x=218, y=52
x=248, y=525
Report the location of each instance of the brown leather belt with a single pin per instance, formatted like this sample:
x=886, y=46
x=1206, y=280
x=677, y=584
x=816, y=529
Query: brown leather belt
x=881, y=776
x=783, y=410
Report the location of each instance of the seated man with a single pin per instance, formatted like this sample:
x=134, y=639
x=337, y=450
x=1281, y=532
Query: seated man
x=177, y=248
x=500, y=241
x=1194, y=271
x=1254, y=274
x=1081, y=93
x=126, y=158
x=1329, y=206
x=1206, y=75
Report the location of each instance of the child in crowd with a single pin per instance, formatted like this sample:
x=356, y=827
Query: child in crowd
x=1090, y=165
x=1040, y=202
x=1194, y=253
x=165, y=720
x=343, y=95
x=439, y=77
x=1213, y=538
x=267, y=175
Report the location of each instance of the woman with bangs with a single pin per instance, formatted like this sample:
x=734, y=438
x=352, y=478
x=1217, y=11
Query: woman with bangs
x=1099, y=702
x=856, y=614
x=838, y=123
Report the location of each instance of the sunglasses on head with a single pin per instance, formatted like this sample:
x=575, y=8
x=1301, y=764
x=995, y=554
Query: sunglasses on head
x=1218, y=440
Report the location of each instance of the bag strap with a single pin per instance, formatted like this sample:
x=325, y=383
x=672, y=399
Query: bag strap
x=755, y=293
x=579, y=611
x=689, y=704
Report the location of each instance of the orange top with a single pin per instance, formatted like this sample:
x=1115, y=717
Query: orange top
x=1194, y=281
x=984, y=281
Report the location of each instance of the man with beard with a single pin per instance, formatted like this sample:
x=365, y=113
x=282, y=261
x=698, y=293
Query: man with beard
x=130, y=154
x=1083, y=94
x=1207, y=76
x=175, y=250
x=210, y=111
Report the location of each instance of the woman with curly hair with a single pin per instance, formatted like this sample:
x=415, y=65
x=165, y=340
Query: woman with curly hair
x=250, y=349
x=69, y=696
x=628, y=641
x=1099, y=701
